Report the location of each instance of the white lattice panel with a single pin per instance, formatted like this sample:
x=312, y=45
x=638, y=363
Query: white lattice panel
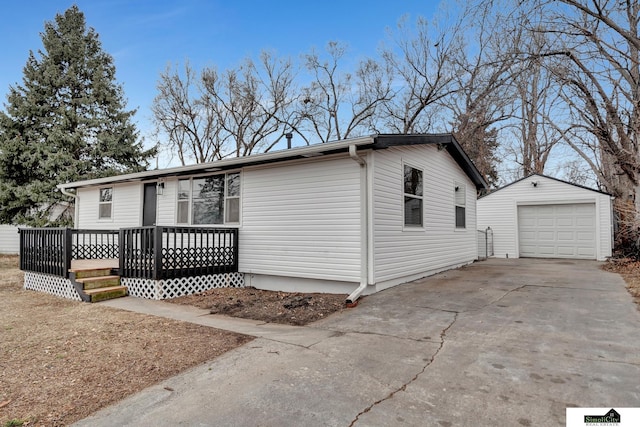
x=142, y=288
x=54, y=285
x=172, y=288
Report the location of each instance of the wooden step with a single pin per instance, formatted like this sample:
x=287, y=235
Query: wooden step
x=82, y=273
x=102, y=294
x=99, y=282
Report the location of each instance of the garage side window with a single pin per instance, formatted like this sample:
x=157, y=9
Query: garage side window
x=461, y=202
x=105, y=204
x=413, y=197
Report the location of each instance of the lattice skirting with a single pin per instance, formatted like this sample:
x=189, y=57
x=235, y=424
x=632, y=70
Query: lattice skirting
x=55, y=285
x=172, y=288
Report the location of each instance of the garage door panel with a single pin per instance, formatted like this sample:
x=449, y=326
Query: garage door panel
x=567, y=251
x=545, y=222
x=584, y=208
x=557, y=231
x=585, y=236
x=585, y=222
x=528, y=222
x=566, y=236
x=586, y=252
x=563, y=209
x=547, y=251
x=546, y=235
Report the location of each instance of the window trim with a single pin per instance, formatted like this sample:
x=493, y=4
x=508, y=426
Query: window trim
x=457, y=186
x=405, y=226
x=102, y=203
x=190, y=199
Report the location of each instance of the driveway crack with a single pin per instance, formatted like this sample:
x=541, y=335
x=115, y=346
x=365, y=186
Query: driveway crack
x=443, y=334
x=504, y=296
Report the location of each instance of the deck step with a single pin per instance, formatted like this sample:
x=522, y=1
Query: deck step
x=99, y=282
x=102, y=294
x=82, y=273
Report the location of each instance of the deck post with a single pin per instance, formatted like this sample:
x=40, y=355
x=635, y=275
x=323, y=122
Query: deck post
x=68, y=251
x=121, y=251
x=157, y=253
x=235, y=233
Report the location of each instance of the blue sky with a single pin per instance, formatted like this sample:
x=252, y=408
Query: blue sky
x=144, y=36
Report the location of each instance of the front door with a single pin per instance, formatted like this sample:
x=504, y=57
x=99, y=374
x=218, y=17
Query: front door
x=149, y=205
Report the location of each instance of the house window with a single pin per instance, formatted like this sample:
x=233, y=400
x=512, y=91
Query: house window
x=209, y=200
x=232, y=207
x=413, y=197
x=105, y=204
x=461, y=202
x=184, y=196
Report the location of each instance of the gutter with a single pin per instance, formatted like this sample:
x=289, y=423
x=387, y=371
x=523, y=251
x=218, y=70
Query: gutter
x=76, y=204
x=352, y=299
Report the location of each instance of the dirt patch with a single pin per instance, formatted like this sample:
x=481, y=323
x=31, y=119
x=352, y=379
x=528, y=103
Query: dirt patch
x=62, y=360
x=292, y=308
x=630, y=272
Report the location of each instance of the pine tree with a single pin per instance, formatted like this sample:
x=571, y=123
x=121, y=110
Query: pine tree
x=67, y=121
x=480, y=143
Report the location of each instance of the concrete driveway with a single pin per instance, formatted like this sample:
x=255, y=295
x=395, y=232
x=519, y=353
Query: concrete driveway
x=500, y=342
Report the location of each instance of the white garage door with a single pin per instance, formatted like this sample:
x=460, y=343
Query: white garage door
x=557, y=231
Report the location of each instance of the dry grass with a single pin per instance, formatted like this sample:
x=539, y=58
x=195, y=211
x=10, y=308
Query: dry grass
x=62, y=360
x=630, y=272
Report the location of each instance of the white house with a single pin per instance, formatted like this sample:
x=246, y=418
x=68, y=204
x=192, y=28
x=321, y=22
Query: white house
x=354, y=216
x=543, y=217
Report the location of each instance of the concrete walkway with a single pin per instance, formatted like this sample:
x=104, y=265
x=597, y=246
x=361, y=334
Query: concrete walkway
x=501, y=342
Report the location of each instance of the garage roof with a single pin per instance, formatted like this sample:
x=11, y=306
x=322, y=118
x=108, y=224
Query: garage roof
x=542, y=176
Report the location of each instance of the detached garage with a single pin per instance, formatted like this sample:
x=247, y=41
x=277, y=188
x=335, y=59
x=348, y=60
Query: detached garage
x=543, y=217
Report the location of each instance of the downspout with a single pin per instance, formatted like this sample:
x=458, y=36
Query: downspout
x=76, y=205
x=364, y=221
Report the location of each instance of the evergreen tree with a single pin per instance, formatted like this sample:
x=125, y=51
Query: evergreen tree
x=66, y=122
x=480, y=143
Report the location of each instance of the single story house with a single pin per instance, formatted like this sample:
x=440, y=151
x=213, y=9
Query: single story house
x=543, y=217
x=354, y=216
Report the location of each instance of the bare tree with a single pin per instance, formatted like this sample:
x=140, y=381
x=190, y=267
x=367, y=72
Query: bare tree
x=252, y=102
x=337, y=104
x=483, y=102
x=192, y=130
x=237, y=112
x=425, y=73
x=597, y=61
x=537, y=102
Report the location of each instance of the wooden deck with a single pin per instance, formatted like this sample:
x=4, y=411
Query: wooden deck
x=90, y=264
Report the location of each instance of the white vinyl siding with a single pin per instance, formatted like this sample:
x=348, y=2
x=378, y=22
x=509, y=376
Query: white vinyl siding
x=126, y=207
x=302, y=219
x=438, y=245
x=9, y=239
x=499, y=211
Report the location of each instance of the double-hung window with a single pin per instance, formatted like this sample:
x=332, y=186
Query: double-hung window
x=105, y=203
x=413, y=197
x=461, y=203
x=209, y=200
